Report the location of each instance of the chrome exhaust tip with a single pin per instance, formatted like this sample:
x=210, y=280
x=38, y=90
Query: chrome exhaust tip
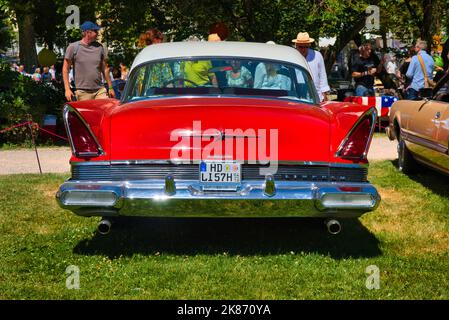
x=104, y=226
x=333, y=226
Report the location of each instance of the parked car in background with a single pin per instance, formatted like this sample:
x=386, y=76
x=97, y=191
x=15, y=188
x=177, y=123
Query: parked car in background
x=222, y=129
x=422, y=129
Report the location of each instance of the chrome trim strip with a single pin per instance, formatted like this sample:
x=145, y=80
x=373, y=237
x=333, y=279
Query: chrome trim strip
x=423, y=142
x=90, y=163
x=372, y=111
x=68, y=108
x=169, y=162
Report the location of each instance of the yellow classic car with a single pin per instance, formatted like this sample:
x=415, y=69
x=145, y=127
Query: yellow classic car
x=422, y=129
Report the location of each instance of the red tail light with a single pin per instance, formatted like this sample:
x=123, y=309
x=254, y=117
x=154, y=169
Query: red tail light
x=356, y=143
x=82, y=140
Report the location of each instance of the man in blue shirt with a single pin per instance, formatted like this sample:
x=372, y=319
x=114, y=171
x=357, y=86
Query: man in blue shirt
x=415, y=70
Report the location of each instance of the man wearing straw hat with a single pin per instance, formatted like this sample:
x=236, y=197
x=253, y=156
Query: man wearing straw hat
x=316, y=63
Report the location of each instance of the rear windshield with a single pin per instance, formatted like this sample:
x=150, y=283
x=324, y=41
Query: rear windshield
x=224, y=76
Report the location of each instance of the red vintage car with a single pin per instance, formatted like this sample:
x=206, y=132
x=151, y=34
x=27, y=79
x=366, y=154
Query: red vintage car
x=222, y=129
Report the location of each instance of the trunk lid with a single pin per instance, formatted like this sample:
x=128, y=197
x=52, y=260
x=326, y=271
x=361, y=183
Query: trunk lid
x=163, y=129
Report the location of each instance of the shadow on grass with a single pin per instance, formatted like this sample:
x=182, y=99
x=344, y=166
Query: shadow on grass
x=260, y=236
x=430, y=178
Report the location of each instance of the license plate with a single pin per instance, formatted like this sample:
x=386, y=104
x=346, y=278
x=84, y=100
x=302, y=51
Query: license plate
x=220, y=172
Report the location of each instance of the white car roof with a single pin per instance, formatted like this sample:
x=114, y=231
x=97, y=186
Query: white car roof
x=220, y=49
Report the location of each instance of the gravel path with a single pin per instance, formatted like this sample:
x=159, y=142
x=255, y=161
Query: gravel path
x=56, y=160
x=382, y=149
x=24, y=160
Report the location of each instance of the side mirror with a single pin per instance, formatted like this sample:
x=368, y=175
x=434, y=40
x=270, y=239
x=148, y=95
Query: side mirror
x=426, y=93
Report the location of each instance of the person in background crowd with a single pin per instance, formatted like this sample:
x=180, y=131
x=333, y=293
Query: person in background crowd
x=219, y=77
x=152, y=36
x=239, y=76
x=37, y=75
x=213, y=37
x=196, y=72
x=420, y=68
x=443, y=92
x=46, y=75
x=218, y=32
x=400, y=73
x=53, y=73
x=390, y=63
x=316, y=64
x=388, y=74
x=111, y=69
x=89, y=60
x=439, y=66
x=124, y=71
x=364, y=66
x=21, y=70
x=267, y=77
x=220, y=29
x=117, y=83
x=160, y=73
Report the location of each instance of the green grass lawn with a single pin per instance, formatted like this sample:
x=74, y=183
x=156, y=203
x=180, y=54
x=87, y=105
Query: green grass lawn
x=407, y=238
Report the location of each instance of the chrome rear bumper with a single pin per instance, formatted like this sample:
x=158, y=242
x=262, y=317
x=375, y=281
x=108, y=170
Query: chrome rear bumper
x=187, y=198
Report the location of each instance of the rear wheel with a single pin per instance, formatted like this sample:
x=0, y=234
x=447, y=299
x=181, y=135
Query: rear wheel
x=406, y=163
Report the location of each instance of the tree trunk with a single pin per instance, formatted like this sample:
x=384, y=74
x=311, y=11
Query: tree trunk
x=383, y=34
x=343, y=38
x=445, y=53
x=427, y=23
x=27, y=40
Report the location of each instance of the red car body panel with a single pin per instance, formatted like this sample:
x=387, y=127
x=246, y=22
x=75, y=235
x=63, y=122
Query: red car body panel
x=141, y=130
x=343, y=116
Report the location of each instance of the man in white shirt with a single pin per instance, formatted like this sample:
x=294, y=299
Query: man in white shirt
x=316, y=64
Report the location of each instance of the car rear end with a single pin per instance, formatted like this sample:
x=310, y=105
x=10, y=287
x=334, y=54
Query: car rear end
x=313, y=174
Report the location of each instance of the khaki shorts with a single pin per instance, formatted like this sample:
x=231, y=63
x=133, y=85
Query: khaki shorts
x=91, y=95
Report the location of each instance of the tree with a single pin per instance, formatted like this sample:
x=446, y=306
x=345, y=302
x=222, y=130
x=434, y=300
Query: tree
x=5, y=30
x=27, y=40
x=24, y=13
x=248, y=20
x=423, y=19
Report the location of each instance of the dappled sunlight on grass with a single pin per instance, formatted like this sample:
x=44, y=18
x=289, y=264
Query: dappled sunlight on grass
x=410, y=215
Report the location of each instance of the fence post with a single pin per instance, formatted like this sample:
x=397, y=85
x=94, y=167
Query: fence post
x=30, y=121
